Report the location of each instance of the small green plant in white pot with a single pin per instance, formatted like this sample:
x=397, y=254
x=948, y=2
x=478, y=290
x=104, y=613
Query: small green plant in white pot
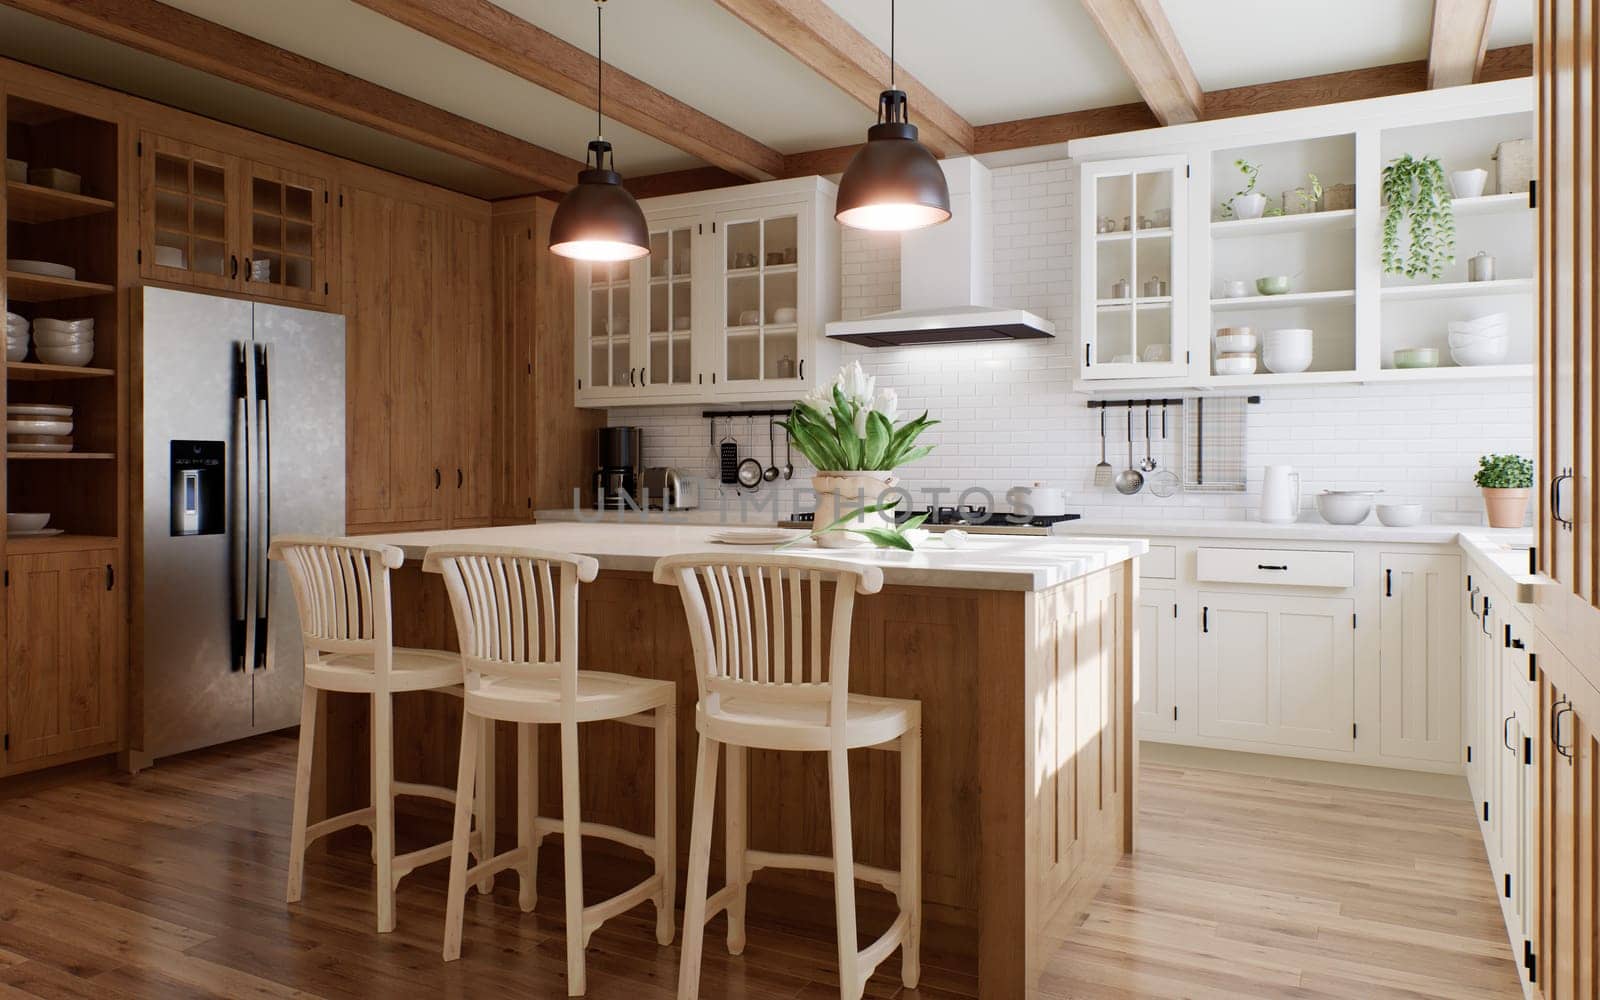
x=847, y=431
x=1247, y=202
x=1506, y=481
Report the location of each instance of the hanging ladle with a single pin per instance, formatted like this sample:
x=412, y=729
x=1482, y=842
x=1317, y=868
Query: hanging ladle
x=1130, y=480
x=771, y=472
x=1149, y=463
x=788, y=456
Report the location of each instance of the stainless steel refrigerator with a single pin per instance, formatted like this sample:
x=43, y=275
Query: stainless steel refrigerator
x=243, y=440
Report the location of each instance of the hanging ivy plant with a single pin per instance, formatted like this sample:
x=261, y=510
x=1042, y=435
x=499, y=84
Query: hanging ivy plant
x=1417, y=198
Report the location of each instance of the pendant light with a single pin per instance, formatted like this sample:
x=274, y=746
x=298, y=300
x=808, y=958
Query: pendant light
x=598, y=220
x=893, y=183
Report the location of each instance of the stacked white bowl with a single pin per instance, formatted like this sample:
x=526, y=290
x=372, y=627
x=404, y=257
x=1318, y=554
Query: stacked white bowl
x=1285, y=352
x=1481, y=341
x=1236, y=351
x=16, y=337
x=64, y=341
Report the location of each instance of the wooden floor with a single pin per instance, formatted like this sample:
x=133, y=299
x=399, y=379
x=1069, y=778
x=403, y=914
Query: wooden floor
x=170, y=884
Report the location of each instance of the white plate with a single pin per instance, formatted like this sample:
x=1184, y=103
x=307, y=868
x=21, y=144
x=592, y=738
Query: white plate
x=753, y=536
x=41, y=533
x=43, y=267
x=13, y=446
x=37, y=410
x=38, y=426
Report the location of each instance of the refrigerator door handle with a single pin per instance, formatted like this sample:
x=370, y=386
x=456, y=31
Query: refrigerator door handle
x=263, y=493
x=239, y=508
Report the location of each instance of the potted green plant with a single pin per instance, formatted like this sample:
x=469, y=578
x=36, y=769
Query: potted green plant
x=1417, y=203
x=1506, y=481
x=847, y=431
x=1247, y=202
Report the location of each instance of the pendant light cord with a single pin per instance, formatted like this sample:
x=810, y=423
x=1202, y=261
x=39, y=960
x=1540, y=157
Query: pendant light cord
x=891, y=44
x=599, y=66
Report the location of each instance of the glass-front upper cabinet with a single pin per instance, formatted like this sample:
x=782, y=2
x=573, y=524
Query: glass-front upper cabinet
x=1132, y=269
x=759, y=318
x=188, y=214
x=605, y=312
x=286, y=253
x=671, y=362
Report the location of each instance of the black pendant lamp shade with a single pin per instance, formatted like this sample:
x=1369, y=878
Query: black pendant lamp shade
x=598, y=219
x=893, y=182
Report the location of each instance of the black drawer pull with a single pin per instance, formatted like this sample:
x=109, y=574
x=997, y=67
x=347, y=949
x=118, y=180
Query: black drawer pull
x=1266, y=566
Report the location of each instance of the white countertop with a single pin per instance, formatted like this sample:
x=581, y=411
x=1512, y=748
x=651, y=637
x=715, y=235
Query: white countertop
x=990, y=562
x=1298, y=531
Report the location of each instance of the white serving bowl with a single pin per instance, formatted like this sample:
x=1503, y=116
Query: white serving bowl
x=1286, y=360
x=1476, y=355
x=1484, y=333
x=26, y=522
x=1344, y=506
x=41, y=267
x=1235, y=364
x=1236, y=343
x=1400, y=515
x=74, y=356
x=16, y=351
x=1467, y=340
x=784, y=314
x=65, y=325
x=1478, y=325
x=56, y=338
x=38, y=425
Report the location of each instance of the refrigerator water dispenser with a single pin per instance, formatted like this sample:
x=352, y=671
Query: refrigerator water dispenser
x=199, y=487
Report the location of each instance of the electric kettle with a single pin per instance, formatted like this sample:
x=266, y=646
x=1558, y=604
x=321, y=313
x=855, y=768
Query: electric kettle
x=1280, y=494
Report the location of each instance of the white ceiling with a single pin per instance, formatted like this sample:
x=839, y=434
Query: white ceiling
x=993, y=61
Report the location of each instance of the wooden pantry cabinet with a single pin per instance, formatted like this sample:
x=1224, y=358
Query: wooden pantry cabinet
x=224, y=221
x=418, y=356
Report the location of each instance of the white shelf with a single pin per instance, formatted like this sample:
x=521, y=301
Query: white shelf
x=1155, y=302
x=772, y=330
x=663, y=279
x=1460, y=289
x=1250, y=303
x=1262, y=377
x=751, y=272
x=1491, y=203
x=1164, y=233
x=1344, y=218
x=1451, y=373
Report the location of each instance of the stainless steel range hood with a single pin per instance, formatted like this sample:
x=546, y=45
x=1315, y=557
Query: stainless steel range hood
x=946, y=285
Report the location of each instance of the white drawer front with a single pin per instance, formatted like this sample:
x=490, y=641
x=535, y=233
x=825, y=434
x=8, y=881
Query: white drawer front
x=1160, y=563
x=1276, y=567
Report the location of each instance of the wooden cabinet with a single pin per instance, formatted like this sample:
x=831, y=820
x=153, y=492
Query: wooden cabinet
x=1277, y=669
x=1419, y=657
x=1567, y=905
x=63, y=667
x=417, y=315
x=219, y=220
x=1157, y=710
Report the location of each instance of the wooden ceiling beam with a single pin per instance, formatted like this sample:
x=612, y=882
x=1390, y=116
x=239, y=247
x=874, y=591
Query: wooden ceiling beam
x=491, y=33
x=1143, y=40
x=239, y=58
x=1458, y=42
x=823, y=41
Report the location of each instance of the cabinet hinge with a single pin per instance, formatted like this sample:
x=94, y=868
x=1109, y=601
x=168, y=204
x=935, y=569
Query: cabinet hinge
x=1469, y=753
x=138, y=148
x=1085, y=355
x=1174, y=611
x=138, y=256
x=1527, y=751
x=1174, y=713
x=530, y=368
x=1188, y=357
x=1508, y=885
x=111, y=577
x=530, y=503
x=1530, y=961
x=341, y=200
x=1533, y=668
x=1533, y=193
x=8, y=741
x=1352, y=621
x=1353, y=730
x=1508, y=635
x=1469, y=581
x=1205, y=619
x=8, y=578
x=1486, y=811
x=1186, y=170
x=325, y=288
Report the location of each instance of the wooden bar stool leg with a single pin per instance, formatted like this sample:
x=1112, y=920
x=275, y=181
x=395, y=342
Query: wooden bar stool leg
x=911, y=851
x=456, y=892
x=486, y=804
x=736, y=822
x=844, y=881
x=383, y=802
x=572, y=851
x=527, y=812
x=666, y=820
x=694, y=898
x=310, y=701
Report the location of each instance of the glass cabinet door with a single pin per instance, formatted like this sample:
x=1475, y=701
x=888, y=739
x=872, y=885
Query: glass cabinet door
x=610, y=360
x=187, y=214
x=760, y=319
x=1132, y=269
x=286, y=249
x=670, y=266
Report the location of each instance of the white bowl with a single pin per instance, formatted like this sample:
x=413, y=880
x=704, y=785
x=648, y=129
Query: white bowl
x=1230, y=365
x=75, y=356
x=1468, y=183
x=784, y=314
x=65, y=325
x=1286, y=360
x=1400, y=515
x=1481, y=323
x=1466, y=340
x=56, y=338
x=16, y=351
x=1344, y=507
x=35, y=425
x=1475, y=357
x=26, y=522
x=41, y=267
x=1235, y=343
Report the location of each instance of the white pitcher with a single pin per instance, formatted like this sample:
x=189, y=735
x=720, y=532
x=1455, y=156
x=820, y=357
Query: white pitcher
x=1280, y=494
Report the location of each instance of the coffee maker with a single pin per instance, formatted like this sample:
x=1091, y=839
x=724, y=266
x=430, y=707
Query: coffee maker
x=616, y=481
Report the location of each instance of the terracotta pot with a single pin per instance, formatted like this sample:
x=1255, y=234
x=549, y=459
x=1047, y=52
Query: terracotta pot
x=1506, y=508
x=839, y=493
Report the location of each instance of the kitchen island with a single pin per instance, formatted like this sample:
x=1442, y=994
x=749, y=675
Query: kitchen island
x=1020, y=649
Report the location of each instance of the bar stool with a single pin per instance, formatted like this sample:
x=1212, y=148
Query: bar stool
x=767, y=681
x=341, y=589
x=516, y=616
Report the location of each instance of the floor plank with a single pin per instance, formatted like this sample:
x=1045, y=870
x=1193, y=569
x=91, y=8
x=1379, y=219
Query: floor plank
x=169, y=884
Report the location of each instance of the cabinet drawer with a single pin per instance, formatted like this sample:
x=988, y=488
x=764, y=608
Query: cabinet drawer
x=1279, y=567
x=1160, y=563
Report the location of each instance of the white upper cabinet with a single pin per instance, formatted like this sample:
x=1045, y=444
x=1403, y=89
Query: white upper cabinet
x=730, y=305
x=1133, y=278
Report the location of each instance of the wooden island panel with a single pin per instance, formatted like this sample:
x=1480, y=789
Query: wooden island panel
x=1027, y=754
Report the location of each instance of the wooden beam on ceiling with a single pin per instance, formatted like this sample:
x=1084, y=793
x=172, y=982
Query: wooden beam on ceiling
x=1142, y=38
x=500, y=38
x=239, y=58
x=1459, y=40
x=818, y=37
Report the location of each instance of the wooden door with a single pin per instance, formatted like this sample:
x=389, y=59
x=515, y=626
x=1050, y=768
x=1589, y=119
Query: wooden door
x=461, y=331
x=1158, y=661
x=513, y=430
x=1276, y=669
x=188, y=214
x=1419, y=657
x=1569, y=838
x=63, y=655
x=283, y=222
